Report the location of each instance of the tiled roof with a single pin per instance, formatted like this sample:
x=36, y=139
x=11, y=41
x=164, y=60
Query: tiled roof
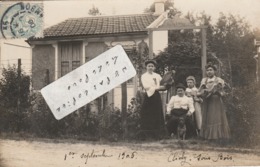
x=100, y=25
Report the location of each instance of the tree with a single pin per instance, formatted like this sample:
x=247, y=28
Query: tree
x=183, y=53
x=233, y=43
x=168, y=4
x=230, y=39
x=94, y=11
x=9, y=88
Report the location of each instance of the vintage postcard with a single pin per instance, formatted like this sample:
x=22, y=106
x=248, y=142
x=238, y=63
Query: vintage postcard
x=138, y=83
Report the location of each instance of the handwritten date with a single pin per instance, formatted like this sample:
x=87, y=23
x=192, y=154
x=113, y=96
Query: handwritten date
x=96, y=154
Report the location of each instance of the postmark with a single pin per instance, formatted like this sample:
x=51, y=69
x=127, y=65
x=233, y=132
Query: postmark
x=21, y=20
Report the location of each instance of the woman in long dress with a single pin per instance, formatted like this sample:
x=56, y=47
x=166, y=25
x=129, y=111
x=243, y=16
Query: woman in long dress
x=214, y=119
x=152, y=119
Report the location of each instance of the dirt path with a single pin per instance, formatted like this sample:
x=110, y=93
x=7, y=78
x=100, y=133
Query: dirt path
x=48, y=154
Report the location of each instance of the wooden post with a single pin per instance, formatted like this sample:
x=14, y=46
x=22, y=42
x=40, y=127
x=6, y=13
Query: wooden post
x=56, y=72
x=230, y=70
x=204, y=51
x=19, y=84
x=124, y=108
x=150, y=32
x=258, y=66
x=47, y=75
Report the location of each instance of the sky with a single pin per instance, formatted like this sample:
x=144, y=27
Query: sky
x=57, y=11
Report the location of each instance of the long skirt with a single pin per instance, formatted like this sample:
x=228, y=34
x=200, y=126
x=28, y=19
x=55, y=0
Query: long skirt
x=198, y=115
x=152, y=113
x=214, y=119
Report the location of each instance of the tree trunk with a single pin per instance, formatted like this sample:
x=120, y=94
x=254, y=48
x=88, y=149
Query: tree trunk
x=124, y=108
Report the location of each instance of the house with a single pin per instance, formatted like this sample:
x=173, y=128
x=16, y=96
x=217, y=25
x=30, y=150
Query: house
x=75, y=41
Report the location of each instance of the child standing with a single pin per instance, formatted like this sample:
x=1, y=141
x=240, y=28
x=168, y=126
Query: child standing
x=191, y=91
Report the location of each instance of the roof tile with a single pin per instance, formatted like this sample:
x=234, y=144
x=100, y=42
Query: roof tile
x=100, y=25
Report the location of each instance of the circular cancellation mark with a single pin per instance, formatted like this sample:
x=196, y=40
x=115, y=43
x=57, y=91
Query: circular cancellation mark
x=22, y=20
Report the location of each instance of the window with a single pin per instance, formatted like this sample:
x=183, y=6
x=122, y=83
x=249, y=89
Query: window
x=70, y=55
x=64, y=67
x=75, y=64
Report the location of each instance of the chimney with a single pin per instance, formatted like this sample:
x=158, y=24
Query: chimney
x=159, y=7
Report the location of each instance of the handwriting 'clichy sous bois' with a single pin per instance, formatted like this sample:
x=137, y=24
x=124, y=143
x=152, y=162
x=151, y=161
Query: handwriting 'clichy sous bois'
x=88, y=82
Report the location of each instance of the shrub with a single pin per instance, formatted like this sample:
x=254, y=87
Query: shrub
x=243, y=113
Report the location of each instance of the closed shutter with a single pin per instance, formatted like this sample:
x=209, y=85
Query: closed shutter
x=70, y=56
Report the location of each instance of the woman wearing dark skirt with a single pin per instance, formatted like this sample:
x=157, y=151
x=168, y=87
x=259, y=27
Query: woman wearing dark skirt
x=214, y=119
x=152, y=119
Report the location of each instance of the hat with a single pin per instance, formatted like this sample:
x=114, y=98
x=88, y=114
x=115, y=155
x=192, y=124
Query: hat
x=180, y=85
x=191, y=78
x=150, y=61
x=211, y=65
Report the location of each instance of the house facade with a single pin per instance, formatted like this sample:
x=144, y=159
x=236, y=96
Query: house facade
x=73, y=42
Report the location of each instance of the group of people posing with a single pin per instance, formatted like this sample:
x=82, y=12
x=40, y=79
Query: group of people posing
x=201, y=108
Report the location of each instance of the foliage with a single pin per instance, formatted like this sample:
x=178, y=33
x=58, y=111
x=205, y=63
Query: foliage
x=168, y=5
x=229, y=44
x=11, y=117
x=94, y=11
x=138, y=56
x=233, y=44
x=242, y=111
x=133, y=116
x=81, y=124
x=9, y=88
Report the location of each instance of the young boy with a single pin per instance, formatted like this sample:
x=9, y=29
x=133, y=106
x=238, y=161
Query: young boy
x=191, y=91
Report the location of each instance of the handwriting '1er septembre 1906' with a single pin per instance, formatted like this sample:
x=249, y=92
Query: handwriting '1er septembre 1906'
x=88, y=82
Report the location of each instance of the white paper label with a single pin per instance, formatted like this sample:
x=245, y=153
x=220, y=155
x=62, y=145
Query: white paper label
x=88, y=82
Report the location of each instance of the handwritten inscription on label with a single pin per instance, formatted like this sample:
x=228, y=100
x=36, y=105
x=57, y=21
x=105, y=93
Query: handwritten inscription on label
x=88, y=82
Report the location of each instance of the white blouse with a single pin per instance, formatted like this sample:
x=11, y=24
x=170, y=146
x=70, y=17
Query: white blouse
x=210, y=82
x=178, y=102
x=189, y=91
x=151, y=82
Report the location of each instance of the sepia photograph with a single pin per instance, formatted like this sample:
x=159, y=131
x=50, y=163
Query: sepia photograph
x=134, y=83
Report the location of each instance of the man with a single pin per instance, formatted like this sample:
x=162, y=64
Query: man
x=180, y=106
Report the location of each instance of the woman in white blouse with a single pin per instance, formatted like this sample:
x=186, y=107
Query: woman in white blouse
x=152, y=119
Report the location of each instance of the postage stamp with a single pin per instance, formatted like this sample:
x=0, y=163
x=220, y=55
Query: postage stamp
x=21, y=20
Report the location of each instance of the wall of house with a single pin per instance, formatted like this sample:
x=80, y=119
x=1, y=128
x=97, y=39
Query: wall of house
x=160, y=41
x=118, y=95
x=93, y=49
x=43, y=58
